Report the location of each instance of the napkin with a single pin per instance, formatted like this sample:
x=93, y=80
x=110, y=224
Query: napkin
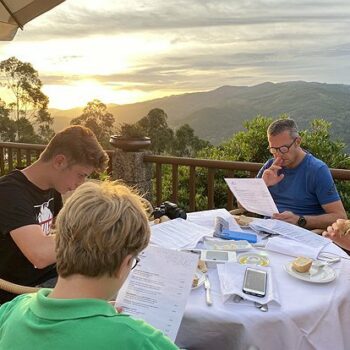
x=231, y=276
x=290, y=247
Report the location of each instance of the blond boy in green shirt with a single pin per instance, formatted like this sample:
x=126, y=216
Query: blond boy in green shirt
x=99, y=233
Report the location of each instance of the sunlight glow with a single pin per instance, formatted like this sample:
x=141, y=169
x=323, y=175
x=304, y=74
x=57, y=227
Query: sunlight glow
x=84, y=91
x=71, y=80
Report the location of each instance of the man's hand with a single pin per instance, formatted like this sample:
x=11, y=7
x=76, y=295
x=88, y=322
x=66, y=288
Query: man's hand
x=335, y=233
x=270, y=175
x=287, y=216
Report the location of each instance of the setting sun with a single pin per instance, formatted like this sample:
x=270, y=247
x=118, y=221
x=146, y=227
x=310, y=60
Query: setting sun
x=83, y=91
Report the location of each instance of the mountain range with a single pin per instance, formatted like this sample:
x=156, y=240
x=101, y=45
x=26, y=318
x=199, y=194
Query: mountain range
x=217, y=114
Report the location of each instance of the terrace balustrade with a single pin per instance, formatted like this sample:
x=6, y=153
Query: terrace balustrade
x=15, y=155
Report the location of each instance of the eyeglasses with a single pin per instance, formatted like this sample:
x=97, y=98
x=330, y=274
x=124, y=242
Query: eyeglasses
x=135, y=261
x=283, y=149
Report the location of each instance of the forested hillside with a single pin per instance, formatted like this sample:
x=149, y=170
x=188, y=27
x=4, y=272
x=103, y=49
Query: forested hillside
x=215, y=115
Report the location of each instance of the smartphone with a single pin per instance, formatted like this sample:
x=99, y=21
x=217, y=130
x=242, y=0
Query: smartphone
x=255, y=282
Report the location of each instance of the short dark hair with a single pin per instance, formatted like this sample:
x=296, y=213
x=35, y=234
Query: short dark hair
x=281, y=125
x=80, y=145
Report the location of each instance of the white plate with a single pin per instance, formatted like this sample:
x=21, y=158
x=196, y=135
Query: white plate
x=322, y=274
x=228, y=245
x=201, y=278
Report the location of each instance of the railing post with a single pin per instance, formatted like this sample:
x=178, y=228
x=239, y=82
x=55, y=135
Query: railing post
x=130, y=167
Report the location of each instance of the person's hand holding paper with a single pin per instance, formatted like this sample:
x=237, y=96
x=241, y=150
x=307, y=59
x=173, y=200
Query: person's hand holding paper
x=287, y=216
x=253, y=195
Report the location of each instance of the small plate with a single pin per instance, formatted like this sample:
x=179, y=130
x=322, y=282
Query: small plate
x=228, y=245
x=322, y=274
x=253, y=259
x=201, y=279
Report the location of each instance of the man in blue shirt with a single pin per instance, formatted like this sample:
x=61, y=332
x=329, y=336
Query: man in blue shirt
x=300, y=184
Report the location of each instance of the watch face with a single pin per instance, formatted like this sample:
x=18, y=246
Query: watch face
x=301, y=221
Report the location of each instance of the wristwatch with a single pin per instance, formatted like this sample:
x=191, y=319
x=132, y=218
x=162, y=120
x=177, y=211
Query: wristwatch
x=301, y=221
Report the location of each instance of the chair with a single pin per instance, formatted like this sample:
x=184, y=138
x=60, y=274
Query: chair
x=16, y=288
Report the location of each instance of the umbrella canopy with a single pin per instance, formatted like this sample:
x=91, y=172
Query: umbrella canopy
x=15, y=14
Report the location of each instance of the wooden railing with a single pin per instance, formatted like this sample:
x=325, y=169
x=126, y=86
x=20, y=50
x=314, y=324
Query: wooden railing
x=230, y=168
x=194, y=163
x=17, y=155
x=20, y=155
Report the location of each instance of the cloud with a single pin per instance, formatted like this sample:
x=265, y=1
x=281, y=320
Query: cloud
x=78, y=19
x=187, y=45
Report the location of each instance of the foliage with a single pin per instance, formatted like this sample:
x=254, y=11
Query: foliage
x=251, y=145
x=182, y=143
x=30, y=103
x=186, y=143
x=132, y=130
x=96, y=117
x=317, y=140
x=155, y=126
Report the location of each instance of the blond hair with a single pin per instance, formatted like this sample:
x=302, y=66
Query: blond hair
x=99, y=225
x=80, y=145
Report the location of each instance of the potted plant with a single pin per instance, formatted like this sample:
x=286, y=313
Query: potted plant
x=131, y=138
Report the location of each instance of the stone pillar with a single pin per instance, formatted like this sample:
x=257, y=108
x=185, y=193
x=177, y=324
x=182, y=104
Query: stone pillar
x=133, y=171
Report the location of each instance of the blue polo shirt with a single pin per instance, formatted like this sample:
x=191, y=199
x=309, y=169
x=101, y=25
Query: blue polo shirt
x=304, y=189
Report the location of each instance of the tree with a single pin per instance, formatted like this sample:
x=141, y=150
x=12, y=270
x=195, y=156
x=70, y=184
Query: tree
x=7, y=126
x=251, y=145
x=186, y=143
x=96, y=117
x=29, y=101
x=155, y=126
x=317, y=140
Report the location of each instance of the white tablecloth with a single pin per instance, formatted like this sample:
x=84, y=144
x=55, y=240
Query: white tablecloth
x=311, y=316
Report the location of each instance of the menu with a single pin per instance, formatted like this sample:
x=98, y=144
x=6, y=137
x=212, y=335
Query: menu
x=253, y=195
x=158, y=288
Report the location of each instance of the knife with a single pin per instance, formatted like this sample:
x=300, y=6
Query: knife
x=207, y=291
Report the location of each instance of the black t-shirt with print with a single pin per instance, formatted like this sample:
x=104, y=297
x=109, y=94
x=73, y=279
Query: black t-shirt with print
x=21, y=204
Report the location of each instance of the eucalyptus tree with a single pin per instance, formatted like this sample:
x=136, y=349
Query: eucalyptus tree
x=29, y=102
x=96, y=117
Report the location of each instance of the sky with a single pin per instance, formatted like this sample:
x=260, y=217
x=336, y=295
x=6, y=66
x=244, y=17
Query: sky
x=130, y=51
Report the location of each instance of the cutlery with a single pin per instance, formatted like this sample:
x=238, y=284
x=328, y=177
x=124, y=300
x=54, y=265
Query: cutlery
x=208, y=298
x=261, y=307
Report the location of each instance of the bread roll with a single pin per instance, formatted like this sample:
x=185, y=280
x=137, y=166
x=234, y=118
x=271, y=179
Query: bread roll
x=302, y=264
x=202, y=266
x=195, y=281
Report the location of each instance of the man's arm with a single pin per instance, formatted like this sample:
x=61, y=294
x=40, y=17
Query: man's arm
x=333, y=211
x=38, y=248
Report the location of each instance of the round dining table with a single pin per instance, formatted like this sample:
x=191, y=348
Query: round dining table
x=309, y=316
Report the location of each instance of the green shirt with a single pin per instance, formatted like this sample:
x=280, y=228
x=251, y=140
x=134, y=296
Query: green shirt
x=35, y=322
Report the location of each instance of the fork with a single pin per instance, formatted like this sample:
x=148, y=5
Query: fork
x=261, y=307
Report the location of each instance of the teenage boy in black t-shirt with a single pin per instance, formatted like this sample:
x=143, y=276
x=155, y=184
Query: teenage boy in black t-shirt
x=31, y=198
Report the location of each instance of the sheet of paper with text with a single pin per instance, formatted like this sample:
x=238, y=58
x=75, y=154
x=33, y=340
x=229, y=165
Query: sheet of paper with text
x=253, y=195
x=158, y=288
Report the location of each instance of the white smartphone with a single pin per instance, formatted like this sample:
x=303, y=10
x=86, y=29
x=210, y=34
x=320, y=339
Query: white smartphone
x=255, y=282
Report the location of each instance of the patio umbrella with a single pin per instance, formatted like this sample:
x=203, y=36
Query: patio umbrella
x=15, y=14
